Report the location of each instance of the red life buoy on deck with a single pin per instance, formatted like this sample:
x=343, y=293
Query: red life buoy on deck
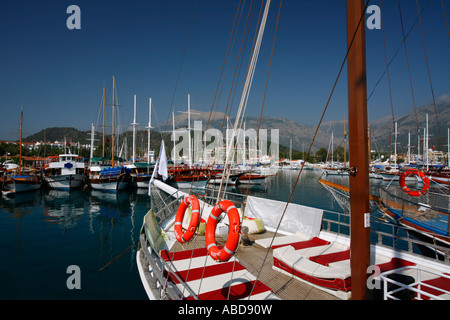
x=414, y=193
x=195, y=219
x=234, y=229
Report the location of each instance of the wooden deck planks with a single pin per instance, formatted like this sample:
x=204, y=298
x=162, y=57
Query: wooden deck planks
x=251, y=257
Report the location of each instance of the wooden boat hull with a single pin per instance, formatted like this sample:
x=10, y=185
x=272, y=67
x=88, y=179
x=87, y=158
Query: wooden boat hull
x=140, y=181
x=108, y=184
x=65, y=182
x=321, y=261
x=252, y=179
x=232, y=180
x=420, y=230
x=23, y=185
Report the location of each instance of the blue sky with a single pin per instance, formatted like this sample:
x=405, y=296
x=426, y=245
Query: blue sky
x=57, y=75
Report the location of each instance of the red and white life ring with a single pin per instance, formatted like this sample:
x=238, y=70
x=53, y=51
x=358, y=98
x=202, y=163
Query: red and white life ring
x=414, y=193
x=192, y=201
x=234, y=229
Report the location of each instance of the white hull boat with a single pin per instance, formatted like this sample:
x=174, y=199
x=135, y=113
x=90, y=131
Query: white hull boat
x=66, y=182
x=302, y=249
x=66, y=172
x=109, y=179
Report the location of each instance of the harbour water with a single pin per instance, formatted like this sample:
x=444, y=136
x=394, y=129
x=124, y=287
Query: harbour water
x=44, y=232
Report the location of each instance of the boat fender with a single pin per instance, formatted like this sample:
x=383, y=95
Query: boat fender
x=192, y=201
x=406, y=189
x=234, y=229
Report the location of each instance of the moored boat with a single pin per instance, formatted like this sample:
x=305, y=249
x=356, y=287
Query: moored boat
x=185, y=177
x=21, y=179
x=22, y=182
x=252, y=178
x=140, y=174
x=297, y=245
x=109, y=179
x=65, y=172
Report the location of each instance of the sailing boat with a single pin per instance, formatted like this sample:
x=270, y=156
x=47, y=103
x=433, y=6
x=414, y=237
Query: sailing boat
x=140, y=171
x=188, y=176
x=25, y=179
x=109, y=178
x=197, y=255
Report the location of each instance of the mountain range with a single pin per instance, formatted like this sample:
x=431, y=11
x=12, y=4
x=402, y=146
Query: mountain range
x=381, y=130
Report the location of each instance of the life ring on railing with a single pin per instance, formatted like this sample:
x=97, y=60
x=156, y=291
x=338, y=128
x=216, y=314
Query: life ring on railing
x=234, y=229
x=414, y=193
x=192, y=201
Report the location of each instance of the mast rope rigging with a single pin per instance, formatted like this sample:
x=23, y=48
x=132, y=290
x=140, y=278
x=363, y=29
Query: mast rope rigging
x=265, y=90
x=182, y=59
x=247, y=86
x=224, y=63
x=445, y=18
x=387, y=70
x=396, y=52
x=238, y=66
x=429, y=76
x=315, y=134
x=409, y=68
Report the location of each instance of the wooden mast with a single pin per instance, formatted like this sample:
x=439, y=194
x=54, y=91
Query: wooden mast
x=358, y=144
x=20, y=145
x=113, y=123
x=103, y=145
x=345, y=146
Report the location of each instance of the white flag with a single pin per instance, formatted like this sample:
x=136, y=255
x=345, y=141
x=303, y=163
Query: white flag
x=162, y=168
x=155, y=169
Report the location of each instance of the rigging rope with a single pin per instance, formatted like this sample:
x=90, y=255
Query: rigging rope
x=396, y=52
x=445, y=18
x=247, y=86
x=315, y=134
x=429, y=75
x=223, y=64
x=409, y=69
x=387, y=70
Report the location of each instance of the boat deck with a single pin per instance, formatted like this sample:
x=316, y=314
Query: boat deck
x=251, y=257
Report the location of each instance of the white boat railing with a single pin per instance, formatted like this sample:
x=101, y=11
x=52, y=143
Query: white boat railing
x=416, y=287
x=158, y=279
x=387, y=234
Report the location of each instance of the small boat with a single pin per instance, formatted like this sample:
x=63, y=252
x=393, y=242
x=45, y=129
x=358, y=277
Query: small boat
x=335, y=171
x=252, y=178
x=428, y=224
x=22, y=182
x=65, y=172
x=394, y=175
x=25, y=179
x=140, y=174
x=186, y=177
x=231, y=180
x=109, y=179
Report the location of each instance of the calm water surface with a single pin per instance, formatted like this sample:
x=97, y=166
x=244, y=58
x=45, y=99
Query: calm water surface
x=44, y=232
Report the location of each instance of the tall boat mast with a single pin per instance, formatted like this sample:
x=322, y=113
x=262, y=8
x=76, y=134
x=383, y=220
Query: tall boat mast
x=189, y=130
x=134, y=131
x=148, y=128
x=358, y=144
x=91, y=154
x=103, y=145
x=113, y=122
x=20, y=145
